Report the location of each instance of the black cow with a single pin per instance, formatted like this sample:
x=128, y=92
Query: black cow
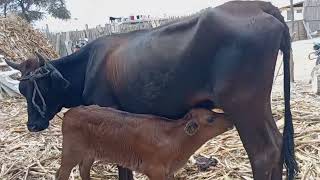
x=222, y=58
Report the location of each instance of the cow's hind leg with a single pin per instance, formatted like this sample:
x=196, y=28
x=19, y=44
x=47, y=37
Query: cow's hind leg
x=261, y=139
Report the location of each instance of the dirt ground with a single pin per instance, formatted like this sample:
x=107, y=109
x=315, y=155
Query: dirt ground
x=25, y=155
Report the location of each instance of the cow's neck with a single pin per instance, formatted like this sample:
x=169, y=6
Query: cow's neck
x=73, y=68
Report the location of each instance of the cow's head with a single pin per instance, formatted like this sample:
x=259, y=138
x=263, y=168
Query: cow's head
x=43, y=86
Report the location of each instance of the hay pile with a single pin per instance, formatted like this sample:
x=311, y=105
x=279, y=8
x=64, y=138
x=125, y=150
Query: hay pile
x=19, y=41
x=25, y=155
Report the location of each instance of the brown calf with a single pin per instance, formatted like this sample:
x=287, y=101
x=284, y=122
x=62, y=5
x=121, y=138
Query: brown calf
x=143, y=143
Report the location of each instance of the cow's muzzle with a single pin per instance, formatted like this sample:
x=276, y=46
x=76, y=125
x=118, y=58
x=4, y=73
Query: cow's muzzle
x=36, y=127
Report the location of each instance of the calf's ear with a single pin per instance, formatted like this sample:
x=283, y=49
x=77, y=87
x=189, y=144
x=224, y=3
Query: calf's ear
x=191, y=128
x=59, y=82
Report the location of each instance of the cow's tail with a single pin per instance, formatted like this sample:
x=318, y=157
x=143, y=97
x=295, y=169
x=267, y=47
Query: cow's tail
x=288, y=131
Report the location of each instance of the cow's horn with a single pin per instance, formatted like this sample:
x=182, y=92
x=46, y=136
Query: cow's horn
x=40, y=58
x=13, y=64
x=218, y=110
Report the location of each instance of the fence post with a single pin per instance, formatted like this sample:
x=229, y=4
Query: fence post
x=291, y=60
x=99, y=30
x=108, y=29
x=87, y=31
x=67, y=43
x=58, y=43
x=47, y=31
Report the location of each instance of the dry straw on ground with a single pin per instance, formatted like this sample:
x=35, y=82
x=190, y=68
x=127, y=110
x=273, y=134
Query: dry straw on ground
x=19, y=41
x=25, y=155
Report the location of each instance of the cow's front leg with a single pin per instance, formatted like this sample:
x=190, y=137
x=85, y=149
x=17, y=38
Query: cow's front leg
x=124, y=173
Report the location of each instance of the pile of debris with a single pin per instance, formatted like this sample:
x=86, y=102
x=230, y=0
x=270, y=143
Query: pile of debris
x=19, y=40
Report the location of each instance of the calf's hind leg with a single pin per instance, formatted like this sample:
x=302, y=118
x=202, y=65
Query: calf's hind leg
x=158, y=173
x=156, y=176
x=85, y=167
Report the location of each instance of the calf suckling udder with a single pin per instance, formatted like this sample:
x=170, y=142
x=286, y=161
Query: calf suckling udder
x=147, y=144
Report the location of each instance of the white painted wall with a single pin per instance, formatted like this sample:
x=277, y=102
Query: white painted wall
x=297, y=15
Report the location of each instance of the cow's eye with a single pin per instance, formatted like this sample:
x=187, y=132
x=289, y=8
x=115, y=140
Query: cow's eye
x=45, y=87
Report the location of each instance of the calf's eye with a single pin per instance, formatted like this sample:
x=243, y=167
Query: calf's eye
x=210, y=119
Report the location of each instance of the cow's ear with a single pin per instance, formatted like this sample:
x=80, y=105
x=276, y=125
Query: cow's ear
x=191, y=128
x=59, y=81
x=41, y=59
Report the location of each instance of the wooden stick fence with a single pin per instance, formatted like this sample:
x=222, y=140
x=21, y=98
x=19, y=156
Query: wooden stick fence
x=63, y=41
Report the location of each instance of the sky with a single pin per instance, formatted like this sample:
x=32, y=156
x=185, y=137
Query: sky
x=95, y=12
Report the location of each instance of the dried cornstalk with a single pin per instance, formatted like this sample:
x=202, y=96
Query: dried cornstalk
x=19, y=40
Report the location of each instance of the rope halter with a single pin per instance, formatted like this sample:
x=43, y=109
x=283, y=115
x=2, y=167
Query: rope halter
x=33, y=76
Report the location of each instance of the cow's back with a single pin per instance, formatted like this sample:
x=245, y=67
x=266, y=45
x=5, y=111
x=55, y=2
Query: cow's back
x=156, y=72
x=169, y=70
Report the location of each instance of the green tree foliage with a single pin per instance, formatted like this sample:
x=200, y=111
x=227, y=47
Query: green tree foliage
x=33, y=10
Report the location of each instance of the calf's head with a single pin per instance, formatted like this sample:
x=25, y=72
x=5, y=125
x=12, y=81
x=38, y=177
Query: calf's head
x=206, y=121
x=42, y=85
